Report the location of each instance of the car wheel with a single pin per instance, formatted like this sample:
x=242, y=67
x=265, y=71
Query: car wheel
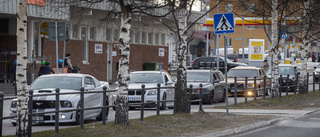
x=223, y=99
x=163, y=104
x=211, y=98
x=14, y=124
x=99, y=118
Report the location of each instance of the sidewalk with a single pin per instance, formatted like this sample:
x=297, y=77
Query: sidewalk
x=287, y=113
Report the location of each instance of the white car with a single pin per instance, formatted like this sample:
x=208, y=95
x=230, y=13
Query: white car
x=150, y=79
x=67, y=82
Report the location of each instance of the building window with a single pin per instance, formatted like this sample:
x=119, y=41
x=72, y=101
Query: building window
x=36, y=39
x=251, y=7
x=156, y=38
x=4, y=26
x=228, y=8
x=137, y=37
x=92, y=33
x=144, y=37
x=150, y=38
x=108, y=34
x=163, y=39
x=75, y=31
x=116, y=35
x=85, y=44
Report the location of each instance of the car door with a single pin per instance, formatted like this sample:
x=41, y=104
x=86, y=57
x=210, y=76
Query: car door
x=221, y=65
x=171, y=90
x=91, y=99
x=218, y=87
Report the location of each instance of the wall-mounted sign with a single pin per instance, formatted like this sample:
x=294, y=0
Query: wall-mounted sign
x=114, y=53
x=161, y=52
x=98, y=48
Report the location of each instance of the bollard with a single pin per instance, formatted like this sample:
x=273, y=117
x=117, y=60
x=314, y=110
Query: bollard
x=255, y=88
x=313, y=82
x=264, y=86
x=296, y=86
x=82, y=107
x=104, y=109
x=158, y=99
x=174, y=103
x=307, y=82
x=1, y=112
x=235, y=91
x=142, y=102
x=190, y=93
x=287, y=84
x=200, y=105
x=30, y=107
x=245, y=92
x=280, y=87
x=56, y=124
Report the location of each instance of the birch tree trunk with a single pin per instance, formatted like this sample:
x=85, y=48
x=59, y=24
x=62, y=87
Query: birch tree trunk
x=122, y=108
x=274, y=51
x=181, y=93
x=21, y=70
x=304, y=50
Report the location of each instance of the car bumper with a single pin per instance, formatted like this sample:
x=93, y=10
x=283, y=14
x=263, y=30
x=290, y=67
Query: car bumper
x=64, y=117
x=205, y=96
x=251, y=92
x=134, y=101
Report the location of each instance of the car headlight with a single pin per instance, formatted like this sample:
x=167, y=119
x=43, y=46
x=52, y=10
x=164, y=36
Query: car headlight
x=316, y=72
x=250, y=85
x=152, y=92
x=13, y=104
x=65, y=104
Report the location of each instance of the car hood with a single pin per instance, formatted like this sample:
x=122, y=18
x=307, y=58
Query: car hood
x=317, y=70
x=52, y=97
x=197, y=84
x=138, y=86
x=284, y=76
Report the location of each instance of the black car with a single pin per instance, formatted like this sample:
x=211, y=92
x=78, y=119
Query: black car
x=233, y=57
x=285, y=70
x=213, y=89
x=211, y=63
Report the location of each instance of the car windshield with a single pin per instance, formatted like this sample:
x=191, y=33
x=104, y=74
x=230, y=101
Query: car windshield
x=250, y=73
x=228, y=60
x=145, y=78
x=57, y=82
x=198, y=77
x=284, y=70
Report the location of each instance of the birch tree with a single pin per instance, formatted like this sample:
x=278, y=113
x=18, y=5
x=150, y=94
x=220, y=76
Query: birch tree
x=21, y=70
x=304, y=49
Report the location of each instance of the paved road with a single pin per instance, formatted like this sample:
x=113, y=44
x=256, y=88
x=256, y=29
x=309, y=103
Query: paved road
x=304, y=126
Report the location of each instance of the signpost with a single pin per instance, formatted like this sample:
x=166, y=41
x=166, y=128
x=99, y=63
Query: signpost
x=223, y=24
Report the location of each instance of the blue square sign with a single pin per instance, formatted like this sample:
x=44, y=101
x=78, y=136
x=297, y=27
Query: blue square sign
x=223, y=23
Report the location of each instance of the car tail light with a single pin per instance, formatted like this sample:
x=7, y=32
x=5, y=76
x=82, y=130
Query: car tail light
x=237, y=60
x=192, y=64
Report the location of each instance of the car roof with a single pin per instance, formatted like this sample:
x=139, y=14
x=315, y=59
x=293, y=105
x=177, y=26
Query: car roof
x=289, y=65
x=202, y=70
x=65, y=75
x=247, y=67
x=155, y=72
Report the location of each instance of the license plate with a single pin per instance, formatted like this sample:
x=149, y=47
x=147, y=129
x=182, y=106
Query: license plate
x=37, y=118
x=134, y=98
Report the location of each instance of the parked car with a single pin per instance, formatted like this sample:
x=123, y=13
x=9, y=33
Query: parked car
x=149, y=79
x=243, y=60
x=66, y=82
x=284, y=70
x=213, y=85
x=233, y=57
x=317, y=74
x=250, y=72
x=211, y=62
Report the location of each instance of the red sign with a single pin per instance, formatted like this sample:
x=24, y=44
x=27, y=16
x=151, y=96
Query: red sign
x=37, y=2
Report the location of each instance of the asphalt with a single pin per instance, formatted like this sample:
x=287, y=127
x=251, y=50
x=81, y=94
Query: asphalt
x=287, y=113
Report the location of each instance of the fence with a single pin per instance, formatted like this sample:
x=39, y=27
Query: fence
x=81, y=109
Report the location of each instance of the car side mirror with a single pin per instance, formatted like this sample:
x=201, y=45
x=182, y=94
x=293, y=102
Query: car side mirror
x=315, y=67
x=216, y=81
x=89, y=87
x=169, y=82
x=298, y=73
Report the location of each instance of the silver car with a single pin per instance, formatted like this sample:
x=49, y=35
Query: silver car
x=67, y=82
x=150, y=79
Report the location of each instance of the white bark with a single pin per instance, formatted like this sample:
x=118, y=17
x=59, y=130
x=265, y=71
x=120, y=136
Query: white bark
x=304, y=50
x=121, y=115
x=274, y=51
x=181, y=94
x=21, y=70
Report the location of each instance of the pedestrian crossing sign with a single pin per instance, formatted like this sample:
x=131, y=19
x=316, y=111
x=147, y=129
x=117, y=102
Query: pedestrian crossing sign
x=284, y=35
x=223, y=23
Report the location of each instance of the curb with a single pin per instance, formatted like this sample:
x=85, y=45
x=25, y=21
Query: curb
x=243, y=128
